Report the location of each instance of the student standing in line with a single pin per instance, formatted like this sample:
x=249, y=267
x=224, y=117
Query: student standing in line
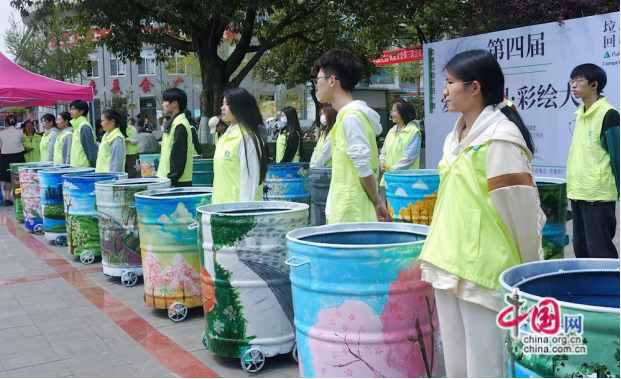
x=217, y=127
x=83, y=143
x=176, y=158
x=487, y=216
x=592, y=184
x=11, y=144
x=353, y=195
x=322, y=155
x=111, y=157
x=32, y=144
x=240, y=160
x=131, y=151
x=62, y=147
x=49, y=137
x=195, y=142
x=289, y=146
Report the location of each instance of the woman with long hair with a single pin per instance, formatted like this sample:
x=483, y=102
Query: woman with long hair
x=11, y=144
x=111, y=156
x=322, y=155
x=48, y=121
x=32, y=144
x=487, y=216
x=289, y=146
x=62, y=147
x=240, y=160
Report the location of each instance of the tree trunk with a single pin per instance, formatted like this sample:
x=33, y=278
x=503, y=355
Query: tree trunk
x=317, y=123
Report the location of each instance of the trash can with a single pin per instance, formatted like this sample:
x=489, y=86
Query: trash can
x=118, y=225
x=149, y=164
x=50, y=183
x=361, y=308
x=245, y=281
x=31, y=195
x=287, y=182
x=202, y=172
x=553, y=197
x=320, y=185
x=169, y=249
x=19, y=206
x=412, y=195
x=587, y=296
x=81, y=213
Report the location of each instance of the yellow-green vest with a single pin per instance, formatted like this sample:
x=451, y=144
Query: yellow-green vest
x=167, y=143
x=131, y=149
x=194, y=152
x=348, y=200
x=58, y=146
x=45, y=144
x=35, y=143
x=227, y=168
x=281, y=146
x=319, y=146
x=467, y=236
x=589, y=174
x=396, y=144
x=104, y=156
x=78, y=156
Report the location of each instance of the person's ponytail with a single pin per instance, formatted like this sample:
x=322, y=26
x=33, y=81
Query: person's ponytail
x=515, y=118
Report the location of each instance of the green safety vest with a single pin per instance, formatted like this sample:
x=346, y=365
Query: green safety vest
x=167, y=144
x=131, y=149
x=227, y=168
x=395, y=147
x=281, y=146
x=45, y=144
x=348, y=200
x=104, y=156
x=78, y=156
x=58, y=146
x=319, y=146
x=589, y=174
x=35, y=143
x=467, y=237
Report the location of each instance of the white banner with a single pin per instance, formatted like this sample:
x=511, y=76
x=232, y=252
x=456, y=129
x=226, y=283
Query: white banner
x=537, y=62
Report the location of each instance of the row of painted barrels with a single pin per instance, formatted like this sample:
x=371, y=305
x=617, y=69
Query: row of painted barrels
x=202, y=169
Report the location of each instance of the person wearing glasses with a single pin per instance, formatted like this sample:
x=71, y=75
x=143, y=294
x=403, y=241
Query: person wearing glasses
x=353, y=195
x=593, y=166
x=487, y=216
x=401, y=150
x=12, y=147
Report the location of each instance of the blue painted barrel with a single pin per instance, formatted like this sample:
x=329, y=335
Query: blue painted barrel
x=118, y=223
x=81, y=213
x=149, y=164
x=51, y=184
x=586, y=287
x=320, y=185
x=412, y=195
x=553, y=196
x=31, y=194
x=287, y=182
x=202, y=172
x=169, y=249
x=361, y=308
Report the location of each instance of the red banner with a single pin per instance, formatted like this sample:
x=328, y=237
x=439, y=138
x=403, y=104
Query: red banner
x=410, y=54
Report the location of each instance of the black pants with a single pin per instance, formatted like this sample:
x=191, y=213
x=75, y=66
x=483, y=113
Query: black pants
x=594, y=228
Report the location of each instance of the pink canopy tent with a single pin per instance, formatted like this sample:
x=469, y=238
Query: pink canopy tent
x=22, y=88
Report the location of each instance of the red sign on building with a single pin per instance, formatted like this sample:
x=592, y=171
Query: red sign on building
x=115, y=86
x=177, y=81
x=93, y=86
x=410, y=54
x=146, y=85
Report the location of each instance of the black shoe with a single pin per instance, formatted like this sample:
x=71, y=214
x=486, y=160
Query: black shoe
x=8, y=203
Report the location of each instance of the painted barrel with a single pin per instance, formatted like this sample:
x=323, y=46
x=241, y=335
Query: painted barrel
x=287, y=182
x=361, y=308
x=31, y=195
x=553, y=197
x=118, y=223
x=170, y=250
x=19, y=206
x=149, y=164
x=202, y=174
x=244, y=277
x=81, y=212
x=320, y=185
x=52, y=205
x=586, y=287
x=412, y=195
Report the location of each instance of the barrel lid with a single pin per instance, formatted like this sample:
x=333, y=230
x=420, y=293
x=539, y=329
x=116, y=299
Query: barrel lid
x=417, y=172
x=102, y=175
x=66, y=170
x=252, y=208
x=131, y=182
x=175, y=193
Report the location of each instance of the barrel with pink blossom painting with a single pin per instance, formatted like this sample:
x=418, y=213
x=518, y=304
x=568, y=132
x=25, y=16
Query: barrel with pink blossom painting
x=361, y=308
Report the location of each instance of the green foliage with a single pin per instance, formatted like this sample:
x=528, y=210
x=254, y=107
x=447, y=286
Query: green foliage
x=117, y=102
x=226, y=232
x=551, y=250
x=54, y=211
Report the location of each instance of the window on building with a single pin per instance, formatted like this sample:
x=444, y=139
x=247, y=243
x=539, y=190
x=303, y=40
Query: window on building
x=117, y=66
x=382, y=77
x=146, y=66
x=176, y=65
x=93, y=69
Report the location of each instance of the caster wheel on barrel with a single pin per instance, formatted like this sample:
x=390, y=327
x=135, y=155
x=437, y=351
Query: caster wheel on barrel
x=177, y=312
x=38, y=229
x=294, y=353
x=87, y=257
x=129, y=278
x=61, y=241
x=204, y=339
x=253, y=360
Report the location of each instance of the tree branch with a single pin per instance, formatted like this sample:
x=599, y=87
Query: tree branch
x=243, y=45
x=167, y=39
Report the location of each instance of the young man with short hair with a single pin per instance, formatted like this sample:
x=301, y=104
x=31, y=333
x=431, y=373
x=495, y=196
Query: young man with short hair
x=353, y=195
x=592, y=184
x=176, y=158
x=83, y=145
